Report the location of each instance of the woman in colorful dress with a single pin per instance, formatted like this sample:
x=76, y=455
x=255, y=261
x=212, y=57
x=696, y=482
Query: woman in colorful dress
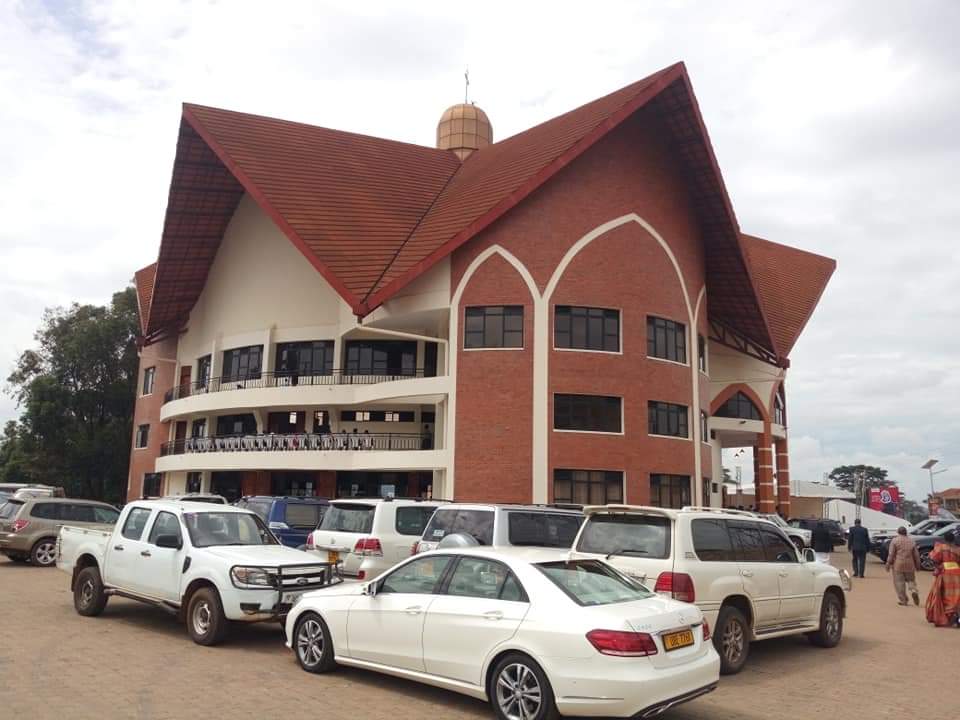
x=943, y=602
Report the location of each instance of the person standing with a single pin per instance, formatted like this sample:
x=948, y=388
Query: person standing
x=858, y=543
x=904, y=561
x=943, y=602
x=822, y=542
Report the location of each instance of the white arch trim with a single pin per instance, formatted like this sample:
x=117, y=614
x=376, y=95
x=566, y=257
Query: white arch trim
x=453, y=351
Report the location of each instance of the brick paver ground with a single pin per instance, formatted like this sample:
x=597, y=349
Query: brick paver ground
x=137, y=662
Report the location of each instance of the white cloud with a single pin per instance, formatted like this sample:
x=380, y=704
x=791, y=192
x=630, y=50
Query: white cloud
x=834, y=124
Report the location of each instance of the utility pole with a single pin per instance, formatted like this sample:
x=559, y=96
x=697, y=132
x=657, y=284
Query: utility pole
x=928, y=466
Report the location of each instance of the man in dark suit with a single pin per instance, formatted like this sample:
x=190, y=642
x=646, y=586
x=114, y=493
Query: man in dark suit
x=858, y=542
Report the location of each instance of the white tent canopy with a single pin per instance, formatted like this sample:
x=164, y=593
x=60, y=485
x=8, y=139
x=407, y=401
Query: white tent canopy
x=873, y=520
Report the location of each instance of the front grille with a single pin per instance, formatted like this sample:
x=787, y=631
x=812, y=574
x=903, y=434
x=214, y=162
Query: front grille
x=307, y=577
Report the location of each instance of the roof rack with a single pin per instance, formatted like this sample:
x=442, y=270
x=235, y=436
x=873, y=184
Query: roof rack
x=722, y=511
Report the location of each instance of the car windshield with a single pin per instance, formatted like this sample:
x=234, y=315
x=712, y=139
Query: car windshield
x=352, y=518
x=646, y=536
x=591, y=582
x=944, y=530
x=260, y=507
x=208, y=529
x=776, y=520
x=446, y=521
x=542, y=529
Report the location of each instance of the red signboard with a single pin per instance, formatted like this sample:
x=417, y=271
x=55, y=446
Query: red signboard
x=885, y=499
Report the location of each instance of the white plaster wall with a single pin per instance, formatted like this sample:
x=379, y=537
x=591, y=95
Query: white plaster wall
x=728, y=366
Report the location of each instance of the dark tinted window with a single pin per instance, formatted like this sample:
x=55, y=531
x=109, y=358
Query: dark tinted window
x=777, y=548
x=542, y=529
x=142, y=436
x=303, y=515
x=260, y=507
x=587, y=487
x=589, y=582
x=78, y=513
x=711, y=541
x=644, y=536
x=46, y=511
x=747, y=543
x=135, y=522
x=739, y=406
x=348, y=518
x=669, y=491
x=478, y=523
x=411, y=520
x=597, y=413
x=417, y=576
x=666, y=339
x=482, y=578
x=242, y=363
x=584, y=328
x=493, y=326
x=165, y=524
x=305, y=358
x=381, y=357
x=149, y=374
x=667, y=419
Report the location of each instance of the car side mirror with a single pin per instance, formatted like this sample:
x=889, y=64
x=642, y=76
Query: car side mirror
x=809, y=555
x=168, y=541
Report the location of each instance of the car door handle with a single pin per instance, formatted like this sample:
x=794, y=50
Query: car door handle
x=145, y=553
x=747, y=573
x=493, y=615
x=783, y=573
x=118, y=547
x=413, y=610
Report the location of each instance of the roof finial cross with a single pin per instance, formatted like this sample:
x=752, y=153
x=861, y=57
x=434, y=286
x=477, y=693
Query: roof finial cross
x=466, y=86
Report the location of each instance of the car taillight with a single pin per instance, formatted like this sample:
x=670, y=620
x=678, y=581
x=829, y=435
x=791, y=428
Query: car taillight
x=621, y=643
x=361, y=574
x=678, y=585
x=416, y=548
x=706, y=630
x=19, y=525
x=310, y=545
x=368, y=546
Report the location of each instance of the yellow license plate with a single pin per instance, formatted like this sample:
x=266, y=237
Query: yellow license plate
x=676, y=640
x=335, y=557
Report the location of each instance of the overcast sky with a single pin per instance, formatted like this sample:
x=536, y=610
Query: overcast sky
x=835, y=125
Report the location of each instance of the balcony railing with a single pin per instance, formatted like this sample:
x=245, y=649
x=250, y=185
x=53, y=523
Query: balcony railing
x=287, y=379
x=299, y=442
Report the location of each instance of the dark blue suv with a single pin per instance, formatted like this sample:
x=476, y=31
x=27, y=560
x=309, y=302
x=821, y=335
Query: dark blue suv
x=290, y=518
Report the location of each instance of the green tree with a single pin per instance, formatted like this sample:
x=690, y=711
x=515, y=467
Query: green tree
x=76, y=392
x=913, y=512
x=845, y=477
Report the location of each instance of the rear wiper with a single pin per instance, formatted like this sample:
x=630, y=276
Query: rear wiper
x=626, y=551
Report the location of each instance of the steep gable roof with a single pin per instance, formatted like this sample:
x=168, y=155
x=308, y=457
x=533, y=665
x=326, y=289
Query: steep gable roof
x=143, y=282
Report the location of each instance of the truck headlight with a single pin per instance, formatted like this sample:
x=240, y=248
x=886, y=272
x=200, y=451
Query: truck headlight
x=256, y=577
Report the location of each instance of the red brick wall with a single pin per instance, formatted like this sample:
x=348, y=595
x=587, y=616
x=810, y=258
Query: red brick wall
x=161, y=355
x=632, y=170
x=494, y=430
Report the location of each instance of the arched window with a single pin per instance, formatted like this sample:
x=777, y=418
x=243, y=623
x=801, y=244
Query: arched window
x=739, y=406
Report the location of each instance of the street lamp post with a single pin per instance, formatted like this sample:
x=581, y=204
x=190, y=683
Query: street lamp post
x=928, y=466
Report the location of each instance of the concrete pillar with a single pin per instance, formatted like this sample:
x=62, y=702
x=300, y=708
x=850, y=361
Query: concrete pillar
x=763, y=460
x=783, y=476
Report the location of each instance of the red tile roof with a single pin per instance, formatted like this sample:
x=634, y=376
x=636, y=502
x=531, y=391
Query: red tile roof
x=371, y=215
x=143, y=281
x=790, y=283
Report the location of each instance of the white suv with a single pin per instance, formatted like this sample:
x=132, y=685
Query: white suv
x=745, y=575
x=503, y=525
x=370, y=535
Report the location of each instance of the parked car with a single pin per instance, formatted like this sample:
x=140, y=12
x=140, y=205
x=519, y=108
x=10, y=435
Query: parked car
x=926, y=543
x=196, y=497
x=880, y=544
x=747, y=577
x=837, y=534
x=207, y=564
x=29, y=527
x=370, y=535
x=291, y=519
x=799, y=536
x=529, y=632
x=502, y=526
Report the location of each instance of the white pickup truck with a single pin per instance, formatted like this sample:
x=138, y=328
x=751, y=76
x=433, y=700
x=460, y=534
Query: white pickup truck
x=207, y=564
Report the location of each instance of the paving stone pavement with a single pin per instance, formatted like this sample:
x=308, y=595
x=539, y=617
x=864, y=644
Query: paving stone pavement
x=137, y=662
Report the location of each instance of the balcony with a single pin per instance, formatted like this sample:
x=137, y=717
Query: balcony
x=303, y=451
x=279, y=389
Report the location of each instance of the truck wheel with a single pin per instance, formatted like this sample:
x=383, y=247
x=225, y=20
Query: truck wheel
x=831, y=623
x=313, y=644
x=89, y=599
x=44, y=553
x=206, y=622
x=731, y=638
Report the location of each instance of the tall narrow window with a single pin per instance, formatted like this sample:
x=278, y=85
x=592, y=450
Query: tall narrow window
x=779, y=413
x=669, y=491
x=203, y=371
x=590, y=413
x=151, y=488
x=193, y=482
x=242, y=363
x=702, y=353
x=739, y=406
x=667, y=419
x=142, y=436
x=587, y=487
x=583, y=328
x=149, y=375
x=493, y=326
x=704, y=424
x=666, y=339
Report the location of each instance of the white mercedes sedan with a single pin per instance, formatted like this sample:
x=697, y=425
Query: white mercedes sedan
x=533, y=632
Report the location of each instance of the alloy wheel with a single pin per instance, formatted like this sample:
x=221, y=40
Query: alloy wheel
x=732, y=642
x=201, y=617
x=310, y=642
x=518, y=692
x=46, y=553
x=925, y=562
x=86, y=594
x=831, y=621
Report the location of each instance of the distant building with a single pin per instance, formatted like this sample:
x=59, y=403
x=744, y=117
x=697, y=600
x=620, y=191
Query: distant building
x=807, y=499
x=568, y=315
x=947, y=499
